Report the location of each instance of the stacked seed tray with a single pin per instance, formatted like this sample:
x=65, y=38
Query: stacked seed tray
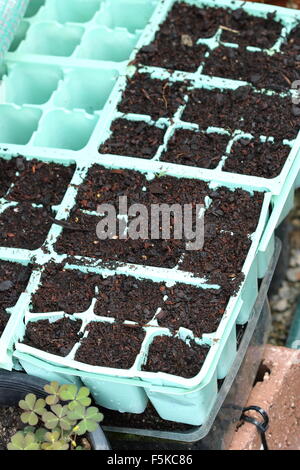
x=69, y=95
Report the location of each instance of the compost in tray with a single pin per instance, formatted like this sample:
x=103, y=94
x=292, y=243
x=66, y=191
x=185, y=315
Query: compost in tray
x=175, y=356
x=156, y=98
x=192, y=148
x=35, y=181
x=13, y=281
x=274, y=72
x=110, y=345
x=134, y=138
x=231, y=211
x=62, y=290
x=57, y=337
x=254, y=157
x=197, y=310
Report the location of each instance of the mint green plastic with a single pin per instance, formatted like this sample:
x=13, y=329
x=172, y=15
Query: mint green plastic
x=111, y=387
x=11, y=13
x=65, y=74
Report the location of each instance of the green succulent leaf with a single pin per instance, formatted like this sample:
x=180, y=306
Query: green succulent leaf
x=58, y=417
x=53, y=390
x=21, y=441
x=88, y=419
x=33, y=408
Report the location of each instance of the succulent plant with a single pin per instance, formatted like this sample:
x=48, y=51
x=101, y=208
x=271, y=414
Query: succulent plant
x=56, y=426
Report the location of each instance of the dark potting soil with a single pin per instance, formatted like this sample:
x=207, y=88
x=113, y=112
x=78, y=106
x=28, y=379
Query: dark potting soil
x=178, y=53
x=153, y=97
x=104, y=186
x=133, y=138
x=13, y=281
x=7, y=175
x=215, y=108
x=237, y=211
x=63, y=290
x=244, y=109
x=147, y=420
x=292, y=44
x=40, y=183
x=4, y=317
x=10, y=423
x=24, y=226
x=174, y=356
x=127, y=298
x=184, y=19
x=57, y=338
x=229, y=211
x=199, y=310
x=170, y=190
x=251, y=30
x=110, y=345
x=252, y=157
x=164, y=253
x=275, y=72
x=224, y=253
x=195, y=149
x=175, y=44
x=34, y=181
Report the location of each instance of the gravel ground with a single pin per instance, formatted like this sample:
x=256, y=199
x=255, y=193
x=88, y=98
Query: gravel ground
x=284, y=301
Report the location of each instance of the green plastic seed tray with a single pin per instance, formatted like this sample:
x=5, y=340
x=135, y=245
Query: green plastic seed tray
x=144, y=385
x=64, y=79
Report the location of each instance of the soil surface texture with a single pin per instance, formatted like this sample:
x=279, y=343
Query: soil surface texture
x=151, y=96
x=199, y=310
x=64, y=290
x=57, y=338
x=34, y=181
x=10, y=423
x=250, y=30
x=175, y=44
x=244, y=109
x=292, y=44
x=252, y=157
x=276, y=72
x=104, y=186
x=133, y=139
x=127, y=298
x=195, y=149
x=24, y=226
x=174, y=356
x=110, y=345
x=13, y=281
